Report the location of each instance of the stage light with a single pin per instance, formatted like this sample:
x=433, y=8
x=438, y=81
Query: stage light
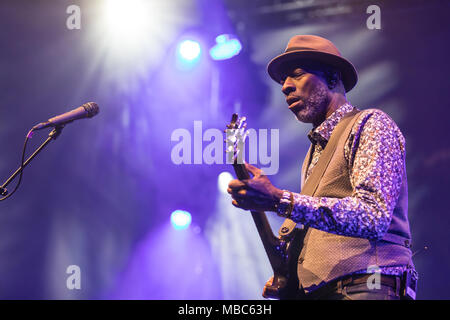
x=227, y=46
x=189, y=52
x=130, y=39
x=223, y=180
x=180, y=219
x=127, y=20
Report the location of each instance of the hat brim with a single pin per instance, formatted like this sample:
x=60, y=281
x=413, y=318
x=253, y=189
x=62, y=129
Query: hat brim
x=348, y=71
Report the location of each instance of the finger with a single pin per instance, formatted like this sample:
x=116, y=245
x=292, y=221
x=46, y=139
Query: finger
x=239, y=204
x=268, y=284
x=242, y=193
x=236, y=185
x=253, y=170
x=236, y=204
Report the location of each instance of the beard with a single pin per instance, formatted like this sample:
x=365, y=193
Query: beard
x=313, y=109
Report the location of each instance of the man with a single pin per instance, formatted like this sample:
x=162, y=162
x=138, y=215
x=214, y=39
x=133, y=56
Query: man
x=354, y=187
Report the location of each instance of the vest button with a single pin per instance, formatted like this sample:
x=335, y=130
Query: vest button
x=300, y=260
x=284, y=229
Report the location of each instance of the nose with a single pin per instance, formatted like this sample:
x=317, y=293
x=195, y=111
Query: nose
x=288, y=86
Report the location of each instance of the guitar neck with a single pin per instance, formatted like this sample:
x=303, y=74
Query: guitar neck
x=270, y=241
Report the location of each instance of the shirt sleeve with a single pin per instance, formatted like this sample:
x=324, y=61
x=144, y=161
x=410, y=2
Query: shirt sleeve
x=376, y=157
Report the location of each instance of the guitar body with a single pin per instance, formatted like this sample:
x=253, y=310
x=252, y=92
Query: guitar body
x=283, y=254
x=291, y=290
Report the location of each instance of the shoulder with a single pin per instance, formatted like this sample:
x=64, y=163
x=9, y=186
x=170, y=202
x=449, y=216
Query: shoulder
x=374, y=129
x=377, y=123
x=377, y=116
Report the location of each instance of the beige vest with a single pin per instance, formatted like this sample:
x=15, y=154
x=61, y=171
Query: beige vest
x=326, y=256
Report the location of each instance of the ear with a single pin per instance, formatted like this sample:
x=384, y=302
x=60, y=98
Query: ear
x=332, y=78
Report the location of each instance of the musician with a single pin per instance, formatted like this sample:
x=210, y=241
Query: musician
x=355, y=206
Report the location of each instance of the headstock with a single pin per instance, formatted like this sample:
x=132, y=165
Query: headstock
x=236, y=133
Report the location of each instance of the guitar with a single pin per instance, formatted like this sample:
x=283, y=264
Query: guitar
x=282, y=252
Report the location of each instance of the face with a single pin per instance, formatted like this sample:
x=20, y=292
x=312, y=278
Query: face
x=307, y=94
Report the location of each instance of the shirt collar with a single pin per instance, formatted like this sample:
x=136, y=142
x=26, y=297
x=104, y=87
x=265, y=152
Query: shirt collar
x=321, y=134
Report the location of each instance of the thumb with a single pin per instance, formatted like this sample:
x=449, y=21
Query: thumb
x=253, y=170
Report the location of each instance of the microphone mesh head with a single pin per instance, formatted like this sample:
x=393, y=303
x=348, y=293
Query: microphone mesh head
x=91, y=109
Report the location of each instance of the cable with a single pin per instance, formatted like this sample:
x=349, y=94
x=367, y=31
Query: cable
x=29, y=134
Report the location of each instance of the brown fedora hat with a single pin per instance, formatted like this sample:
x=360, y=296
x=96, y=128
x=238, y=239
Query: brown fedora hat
x=315, y=48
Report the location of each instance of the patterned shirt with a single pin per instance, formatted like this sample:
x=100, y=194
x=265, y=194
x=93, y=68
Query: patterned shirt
x=375, y=153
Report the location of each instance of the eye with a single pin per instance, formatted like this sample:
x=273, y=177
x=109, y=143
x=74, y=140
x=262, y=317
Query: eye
x=297, y=74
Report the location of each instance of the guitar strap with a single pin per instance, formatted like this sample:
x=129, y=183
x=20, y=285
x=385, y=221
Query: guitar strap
x=343, y=128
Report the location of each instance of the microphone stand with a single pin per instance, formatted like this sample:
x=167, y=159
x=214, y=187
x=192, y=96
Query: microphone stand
x=51, y=136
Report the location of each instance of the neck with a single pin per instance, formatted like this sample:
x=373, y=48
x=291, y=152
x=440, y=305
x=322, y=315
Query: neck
x=335, y=101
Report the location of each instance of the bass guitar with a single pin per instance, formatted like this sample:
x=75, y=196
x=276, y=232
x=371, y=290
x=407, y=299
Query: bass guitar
x=283, y=252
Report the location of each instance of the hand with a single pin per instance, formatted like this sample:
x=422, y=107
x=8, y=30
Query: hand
x=257, y=193
x=268, y=284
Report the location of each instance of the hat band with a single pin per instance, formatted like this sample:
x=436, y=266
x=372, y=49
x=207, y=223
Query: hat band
x=299, y=48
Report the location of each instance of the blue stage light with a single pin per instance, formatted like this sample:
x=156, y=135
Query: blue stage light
x=189, y=50
x=180, y=219
x=227, y=46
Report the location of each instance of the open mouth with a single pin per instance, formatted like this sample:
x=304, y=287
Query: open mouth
x=293, y=102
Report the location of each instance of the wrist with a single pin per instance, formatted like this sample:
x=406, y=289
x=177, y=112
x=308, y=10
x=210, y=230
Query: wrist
x=277, y=194
x=286, y=204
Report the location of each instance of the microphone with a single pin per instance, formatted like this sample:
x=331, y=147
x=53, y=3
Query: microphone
x=87, y=110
